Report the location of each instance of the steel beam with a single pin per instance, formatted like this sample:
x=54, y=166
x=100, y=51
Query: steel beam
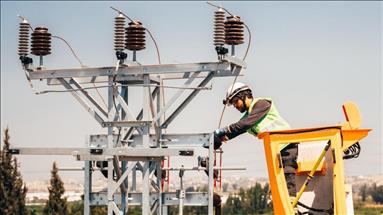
x=82, y=101
x=136, y=80
x=175, y=97
x=125, y=107
x=129, y=71
x=169, y=198
x=89, y=97
x=187, y=100
x=170, y=140
x=106, y=152
x=87, y=186
x=192, y=95
x=139, y=117
x=145, y=144
x=125, y=123
x=211, y=178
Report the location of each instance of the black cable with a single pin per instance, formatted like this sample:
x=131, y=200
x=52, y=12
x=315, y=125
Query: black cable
x=329, y=211
x=352, y=152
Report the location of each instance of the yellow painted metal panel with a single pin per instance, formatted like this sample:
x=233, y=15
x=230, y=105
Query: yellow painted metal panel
x=338, y=176
x=306, y=166
x=340, y=140
x=279, y=193
x=352, y=114
x=352, y=136
x=302, y=135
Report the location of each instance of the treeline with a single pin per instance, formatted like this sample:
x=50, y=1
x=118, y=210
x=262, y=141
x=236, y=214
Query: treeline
x=256, y=200
x=373, y=192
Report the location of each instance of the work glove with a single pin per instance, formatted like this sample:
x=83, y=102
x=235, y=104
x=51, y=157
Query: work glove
x=217, y=141
x=220, y=132
x=219, y=136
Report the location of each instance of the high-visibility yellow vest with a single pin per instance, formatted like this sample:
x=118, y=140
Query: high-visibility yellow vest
x=270, y=122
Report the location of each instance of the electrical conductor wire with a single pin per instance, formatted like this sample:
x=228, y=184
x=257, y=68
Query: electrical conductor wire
x=80, y=62
x=247, y=50
x=122, y=85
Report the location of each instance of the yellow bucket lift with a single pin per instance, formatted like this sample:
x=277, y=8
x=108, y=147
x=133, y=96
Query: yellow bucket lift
x=320, y=178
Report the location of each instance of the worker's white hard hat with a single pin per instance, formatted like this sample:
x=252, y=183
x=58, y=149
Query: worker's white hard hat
x=233, y=90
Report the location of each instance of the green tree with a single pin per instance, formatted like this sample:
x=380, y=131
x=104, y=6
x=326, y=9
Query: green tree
x=76, y=207
x=363, y=192
x=233, y=205
x=376, y=193
x=255, y=200
x=56, y=204
x=12, y=188
x=20, y=190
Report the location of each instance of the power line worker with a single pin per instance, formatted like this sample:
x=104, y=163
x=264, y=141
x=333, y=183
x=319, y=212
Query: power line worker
x=260, y=115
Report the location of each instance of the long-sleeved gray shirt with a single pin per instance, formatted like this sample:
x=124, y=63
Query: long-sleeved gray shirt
x=259, y=111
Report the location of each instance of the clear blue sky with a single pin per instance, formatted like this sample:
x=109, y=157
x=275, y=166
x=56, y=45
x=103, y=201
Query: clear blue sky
x=309, y=57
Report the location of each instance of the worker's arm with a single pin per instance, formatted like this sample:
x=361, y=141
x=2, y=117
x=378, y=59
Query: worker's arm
x=260, y=109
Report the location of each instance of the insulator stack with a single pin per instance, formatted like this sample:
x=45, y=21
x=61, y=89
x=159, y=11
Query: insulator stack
x=135, y=36
x=233, y=30
x=41, y=42
x=219, y=27
x=119, y=33
x=24, y=38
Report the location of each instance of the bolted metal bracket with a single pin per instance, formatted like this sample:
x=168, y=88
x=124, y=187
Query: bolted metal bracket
x=186, y=153
x=96, y=151
x=14, y=151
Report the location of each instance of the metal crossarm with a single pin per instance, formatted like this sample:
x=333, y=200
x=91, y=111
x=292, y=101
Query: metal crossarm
x=130, y=71
x=125, y=123
x=167, y=140
x=106, y=152
x=169, y=198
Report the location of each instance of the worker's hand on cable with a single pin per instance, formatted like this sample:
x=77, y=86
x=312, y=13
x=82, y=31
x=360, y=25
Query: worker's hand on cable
x=219, y=137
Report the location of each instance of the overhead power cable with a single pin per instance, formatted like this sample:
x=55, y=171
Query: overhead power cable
x=243, y=59
x=123, y=85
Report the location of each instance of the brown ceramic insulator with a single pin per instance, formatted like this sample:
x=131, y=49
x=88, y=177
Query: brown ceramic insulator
x=24, y=38
x=219, y=27
x=135, y=36
x=119, y=33
x=233, y=31
x=41, y=42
